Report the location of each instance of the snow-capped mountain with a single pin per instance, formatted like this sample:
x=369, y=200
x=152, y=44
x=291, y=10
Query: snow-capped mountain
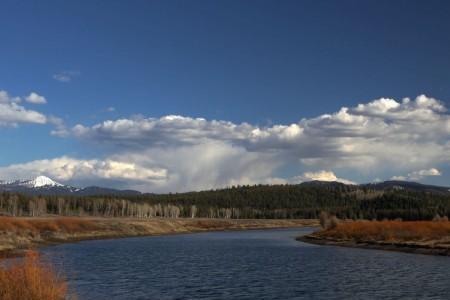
x=40, y=181
x=46, y=186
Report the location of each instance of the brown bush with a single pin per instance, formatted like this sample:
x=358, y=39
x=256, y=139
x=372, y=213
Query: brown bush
x=389, y=230
x=31, y=279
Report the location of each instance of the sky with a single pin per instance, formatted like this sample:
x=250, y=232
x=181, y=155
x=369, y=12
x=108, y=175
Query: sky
x=171, y=96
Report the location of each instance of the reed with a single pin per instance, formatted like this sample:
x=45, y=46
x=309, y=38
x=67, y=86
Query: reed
x=31, y=279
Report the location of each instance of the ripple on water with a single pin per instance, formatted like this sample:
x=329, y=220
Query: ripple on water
x=266, y=264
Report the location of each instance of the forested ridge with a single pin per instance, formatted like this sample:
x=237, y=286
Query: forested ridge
x=259, y=201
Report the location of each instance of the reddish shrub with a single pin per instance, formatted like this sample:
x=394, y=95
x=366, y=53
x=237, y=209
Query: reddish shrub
x=31, y=279
x=389, y=230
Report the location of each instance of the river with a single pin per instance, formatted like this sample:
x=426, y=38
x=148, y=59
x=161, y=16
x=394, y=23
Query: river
x=255, y=264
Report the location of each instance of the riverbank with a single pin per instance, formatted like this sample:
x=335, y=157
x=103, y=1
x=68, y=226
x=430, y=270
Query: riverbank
x=19, y=234
x=421, y=237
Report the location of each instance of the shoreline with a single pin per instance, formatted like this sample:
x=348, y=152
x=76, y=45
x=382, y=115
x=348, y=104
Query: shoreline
x=31, y=233
x=405, y=247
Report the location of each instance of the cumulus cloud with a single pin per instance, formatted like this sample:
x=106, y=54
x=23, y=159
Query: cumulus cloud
x=407, y=134
x=66, y=76
x=325, y=176
x=156, y=170
x=168, y=130
x=383, y=136
x=6, y=98
x=67, y=168
x=12, y=113
x=418, y=175
x=35, y=98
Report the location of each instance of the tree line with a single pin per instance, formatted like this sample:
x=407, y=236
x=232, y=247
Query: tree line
x=259, y=201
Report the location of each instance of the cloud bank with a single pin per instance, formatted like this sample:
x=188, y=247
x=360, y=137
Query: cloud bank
x=384, y=136
x=66, y=168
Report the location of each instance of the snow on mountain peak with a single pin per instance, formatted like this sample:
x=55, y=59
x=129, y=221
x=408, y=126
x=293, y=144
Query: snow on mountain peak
x=41, y=181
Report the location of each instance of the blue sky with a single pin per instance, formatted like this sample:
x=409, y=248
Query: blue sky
x=264, y=63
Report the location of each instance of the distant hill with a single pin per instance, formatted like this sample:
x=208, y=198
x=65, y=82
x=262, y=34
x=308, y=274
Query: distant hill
x=408, y=185
x=382, y=186
x=384, y=200
x=327, y=184
x=43, y=185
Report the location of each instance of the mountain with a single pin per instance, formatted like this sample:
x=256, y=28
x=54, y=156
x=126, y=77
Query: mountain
x=390, y=185
x=41, y=181
x=327, y=184
x=43, y=185
x=407, y=185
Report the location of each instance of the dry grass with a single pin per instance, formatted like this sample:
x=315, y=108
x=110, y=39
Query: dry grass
x=31, y=279
x=70, y=225
x=17, y=233
x=388, y=231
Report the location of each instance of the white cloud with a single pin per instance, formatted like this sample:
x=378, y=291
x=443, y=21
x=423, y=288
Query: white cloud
x=12, y=114
x=429, y=172
x=418, y=175
x=67, y=168
x=157, y=170
x=66, y=76
x=167, y=130
x=6, y=98
x=325, y=176
x=410, y=134
x=381, y=137
x=35, y=98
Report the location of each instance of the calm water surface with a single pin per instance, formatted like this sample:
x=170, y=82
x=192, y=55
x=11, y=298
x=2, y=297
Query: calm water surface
x=262, y=264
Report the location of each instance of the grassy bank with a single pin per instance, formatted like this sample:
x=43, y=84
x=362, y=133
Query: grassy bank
x=17, y=234
x=425, y=237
